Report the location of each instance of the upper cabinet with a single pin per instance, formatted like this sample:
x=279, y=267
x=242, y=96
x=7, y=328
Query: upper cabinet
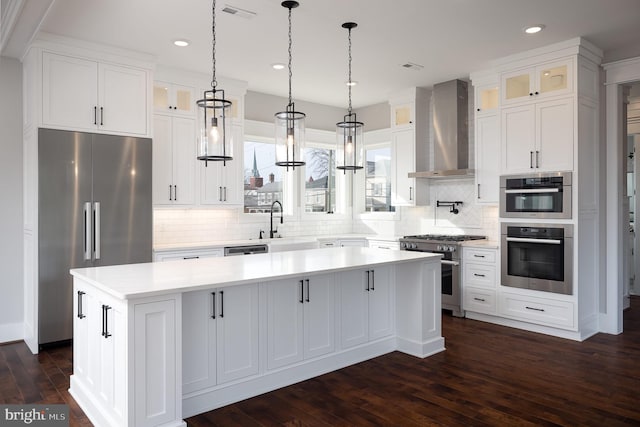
x=87, y=95
x=487, y=99
x=169, y=98
x=549, y=79
x=409, y=137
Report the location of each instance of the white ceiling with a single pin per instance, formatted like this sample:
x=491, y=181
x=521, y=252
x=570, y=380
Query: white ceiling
x=450, y=38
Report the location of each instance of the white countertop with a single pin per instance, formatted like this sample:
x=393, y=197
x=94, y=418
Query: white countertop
x=157, y=278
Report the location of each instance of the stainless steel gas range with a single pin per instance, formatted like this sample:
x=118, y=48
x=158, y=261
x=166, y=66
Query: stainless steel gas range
x=449, y=247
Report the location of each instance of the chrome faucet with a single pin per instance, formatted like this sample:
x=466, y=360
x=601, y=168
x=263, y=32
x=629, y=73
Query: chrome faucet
x=272, y=231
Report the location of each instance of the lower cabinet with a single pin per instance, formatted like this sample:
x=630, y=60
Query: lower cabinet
x=219, y=336
x=300, y=319
x=543, y=311
x=479, y=279
x=365, y=305
x=188, y=254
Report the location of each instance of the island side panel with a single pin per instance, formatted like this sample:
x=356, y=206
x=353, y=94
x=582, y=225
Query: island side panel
x=418, y=308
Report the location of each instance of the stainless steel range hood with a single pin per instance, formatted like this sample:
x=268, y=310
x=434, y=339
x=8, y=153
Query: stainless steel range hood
x=451, y=132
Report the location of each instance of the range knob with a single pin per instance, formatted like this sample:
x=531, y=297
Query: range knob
x=440, y=248
x=451, y=248
x=403, y=245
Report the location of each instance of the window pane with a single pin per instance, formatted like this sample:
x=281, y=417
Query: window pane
x=377, y=181
x=320, y=183
x=262, y=178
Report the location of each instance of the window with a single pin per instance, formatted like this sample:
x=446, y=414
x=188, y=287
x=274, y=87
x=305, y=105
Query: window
x=320, y=183
x=377, y=179
x=263, y=182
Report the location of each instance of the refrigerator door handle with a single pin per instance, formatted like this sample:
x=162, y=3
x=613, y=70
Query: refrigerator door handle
x=87, y=231
x=96, y=230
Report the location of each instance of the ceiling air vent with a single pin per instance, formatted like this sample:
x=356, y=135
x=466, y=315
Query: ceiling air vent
x=412, y=66
x=242, y=13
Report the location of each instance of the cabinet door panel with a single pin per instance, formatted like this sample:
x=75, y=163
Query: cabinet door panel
x=354, y=308
x=184, y=158
x=555, y=135
x=319, y=316
x=237, y=330
x=380, y=303
x=487, y=159
x=162, y=160
x=198, y=341
x=403, y=162
x=285, y=308
x=123, y=99
x=70, y=92
x=518, y=138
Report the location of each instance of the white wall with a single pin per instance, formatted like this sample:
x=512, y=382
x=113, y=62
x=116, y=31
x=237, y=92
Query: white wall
x=11, y=289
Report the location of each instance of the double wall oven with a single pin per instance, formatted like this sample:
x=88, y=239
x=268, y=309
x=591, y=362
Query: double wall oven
x=449, y=247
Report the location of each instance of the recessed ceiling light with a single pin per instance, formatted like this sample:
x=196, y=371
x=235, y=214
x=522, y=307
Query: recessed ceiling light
x=534, y=29
x=351, y=83
x=181, y=42
x=278, y=66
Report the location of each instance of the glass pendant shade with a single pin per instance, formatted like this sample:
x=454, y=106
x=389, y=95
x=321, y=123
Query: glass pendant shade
x=290, y=137
x=214, y=143
x=350, y=147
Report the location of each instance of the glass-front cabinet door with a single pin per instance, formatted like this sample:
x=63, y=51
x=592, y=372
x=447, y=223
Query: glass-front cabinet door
x=487, y=99
x=517, y=86
x=545, y=80
x=172, y=98
x=402, y=115
x=554, y=78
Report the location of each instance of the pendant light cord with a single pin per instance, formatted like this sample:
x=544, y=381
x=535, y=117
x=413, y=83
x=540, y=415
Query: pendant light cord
x=214, y=83
x=349, y=71
x=290, y=44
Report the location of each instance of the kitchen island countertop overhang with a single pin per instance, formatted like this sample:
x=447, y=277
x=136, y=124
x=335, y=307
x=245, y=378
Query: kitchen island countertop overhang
x=155, y=343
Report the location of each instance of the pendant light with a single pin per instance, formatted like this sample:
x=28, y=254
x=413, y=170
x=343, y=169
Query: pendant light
x=350, y=148
x=214, y=144
x=289, y=123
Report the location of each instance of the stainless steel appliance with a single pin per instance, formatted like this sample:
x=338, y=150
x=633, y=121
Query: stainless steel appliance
x=538, y=256
x=95, y=209
x=245, y=250
x=449, y=247
x=539, y=195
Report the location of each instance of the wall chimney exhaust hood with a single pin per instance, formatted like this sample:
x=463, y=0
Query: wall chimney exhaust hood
x=451, y=132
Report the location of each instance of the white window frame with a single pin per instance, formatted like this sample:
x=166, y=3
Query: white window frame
x=373, y=139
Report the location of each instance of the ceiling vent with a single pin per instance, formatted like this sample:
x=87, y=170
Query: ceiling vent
x=236, y=11
x=412, y=66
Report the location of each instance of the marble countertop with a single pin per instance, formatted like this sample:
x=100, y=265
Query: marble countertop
x=158, y=278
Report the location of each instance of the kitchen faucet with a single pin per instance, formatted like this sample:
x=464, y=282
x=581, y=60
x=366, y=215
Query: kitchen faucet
x=271, y=230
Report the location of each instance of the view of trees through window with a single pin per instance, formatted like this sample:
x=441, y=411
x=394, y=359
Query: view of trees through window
x=320, y=183
x=377, y=181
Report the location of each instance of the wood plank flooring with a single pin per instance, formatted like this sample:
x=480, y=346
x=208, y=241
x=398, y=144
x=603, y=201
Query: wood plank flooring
x=489, y=375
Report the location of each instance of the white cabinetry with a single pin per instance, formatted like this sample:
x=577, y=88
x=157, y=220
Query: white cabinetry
x=479, y=279
x=393, y=245
x=187, y=254
x=219, y=336
x=174, y=157
x=300, y=319
x=409, y=137
x=86, y=95
x=221, y=183
x=538, y=136
x=365, y=305
x=487, y=158
x=544, y=80
x=543, y=311
x=174, y=99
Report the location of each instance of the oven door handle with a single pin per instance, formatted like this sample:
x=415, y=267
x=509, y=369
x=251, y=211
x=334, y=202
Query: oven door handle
x=532, y=190
x=525, y=240
x=447, y=262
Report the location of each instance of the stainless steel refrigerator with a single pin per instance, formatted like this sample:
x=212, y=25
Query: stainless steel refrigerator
x=95, y=209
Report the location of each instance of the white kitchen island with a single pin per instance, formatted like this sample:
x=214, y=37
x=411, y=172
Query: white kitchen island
x=158, y=342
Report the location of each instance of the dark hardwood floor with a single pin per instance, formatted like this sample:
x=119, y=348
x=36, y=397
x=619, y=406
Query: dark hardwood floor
x=489, y=375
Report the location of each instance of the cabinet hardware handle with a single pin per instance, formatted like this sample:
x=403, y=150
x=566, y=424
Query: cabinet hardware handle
x=105, y=321
x=537, y=159
x=531, y=159
x=479, y=275
x=225, y=194
x=537, y=93
x=301, y=292
x=170, y=197
x=221, y=304
x=534, y=308
x=191, y=257
x=95, y=115
x=478, y=109
x=373, y=280
x=478, y=191
x=101, y=116
x=368, y=289
x=175, y=193
x=219, y=194
x=478, y=256
x=479, y=299
x=213, y=301
x=80, y=313
x=384, y=247
x=308, y=294
x=410, y=193
x=530, y=93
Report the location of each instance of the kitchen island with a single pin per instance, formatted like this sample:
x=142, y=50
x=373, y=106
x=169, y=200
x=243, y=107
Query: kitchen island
x=158, y=342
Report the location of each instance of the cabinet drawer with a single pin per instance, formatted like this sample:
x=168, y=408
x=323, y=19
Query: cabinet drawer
x=477, y=274
x=191, y=254
x=480, y=300
x=479, y=255
x=537, y=310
